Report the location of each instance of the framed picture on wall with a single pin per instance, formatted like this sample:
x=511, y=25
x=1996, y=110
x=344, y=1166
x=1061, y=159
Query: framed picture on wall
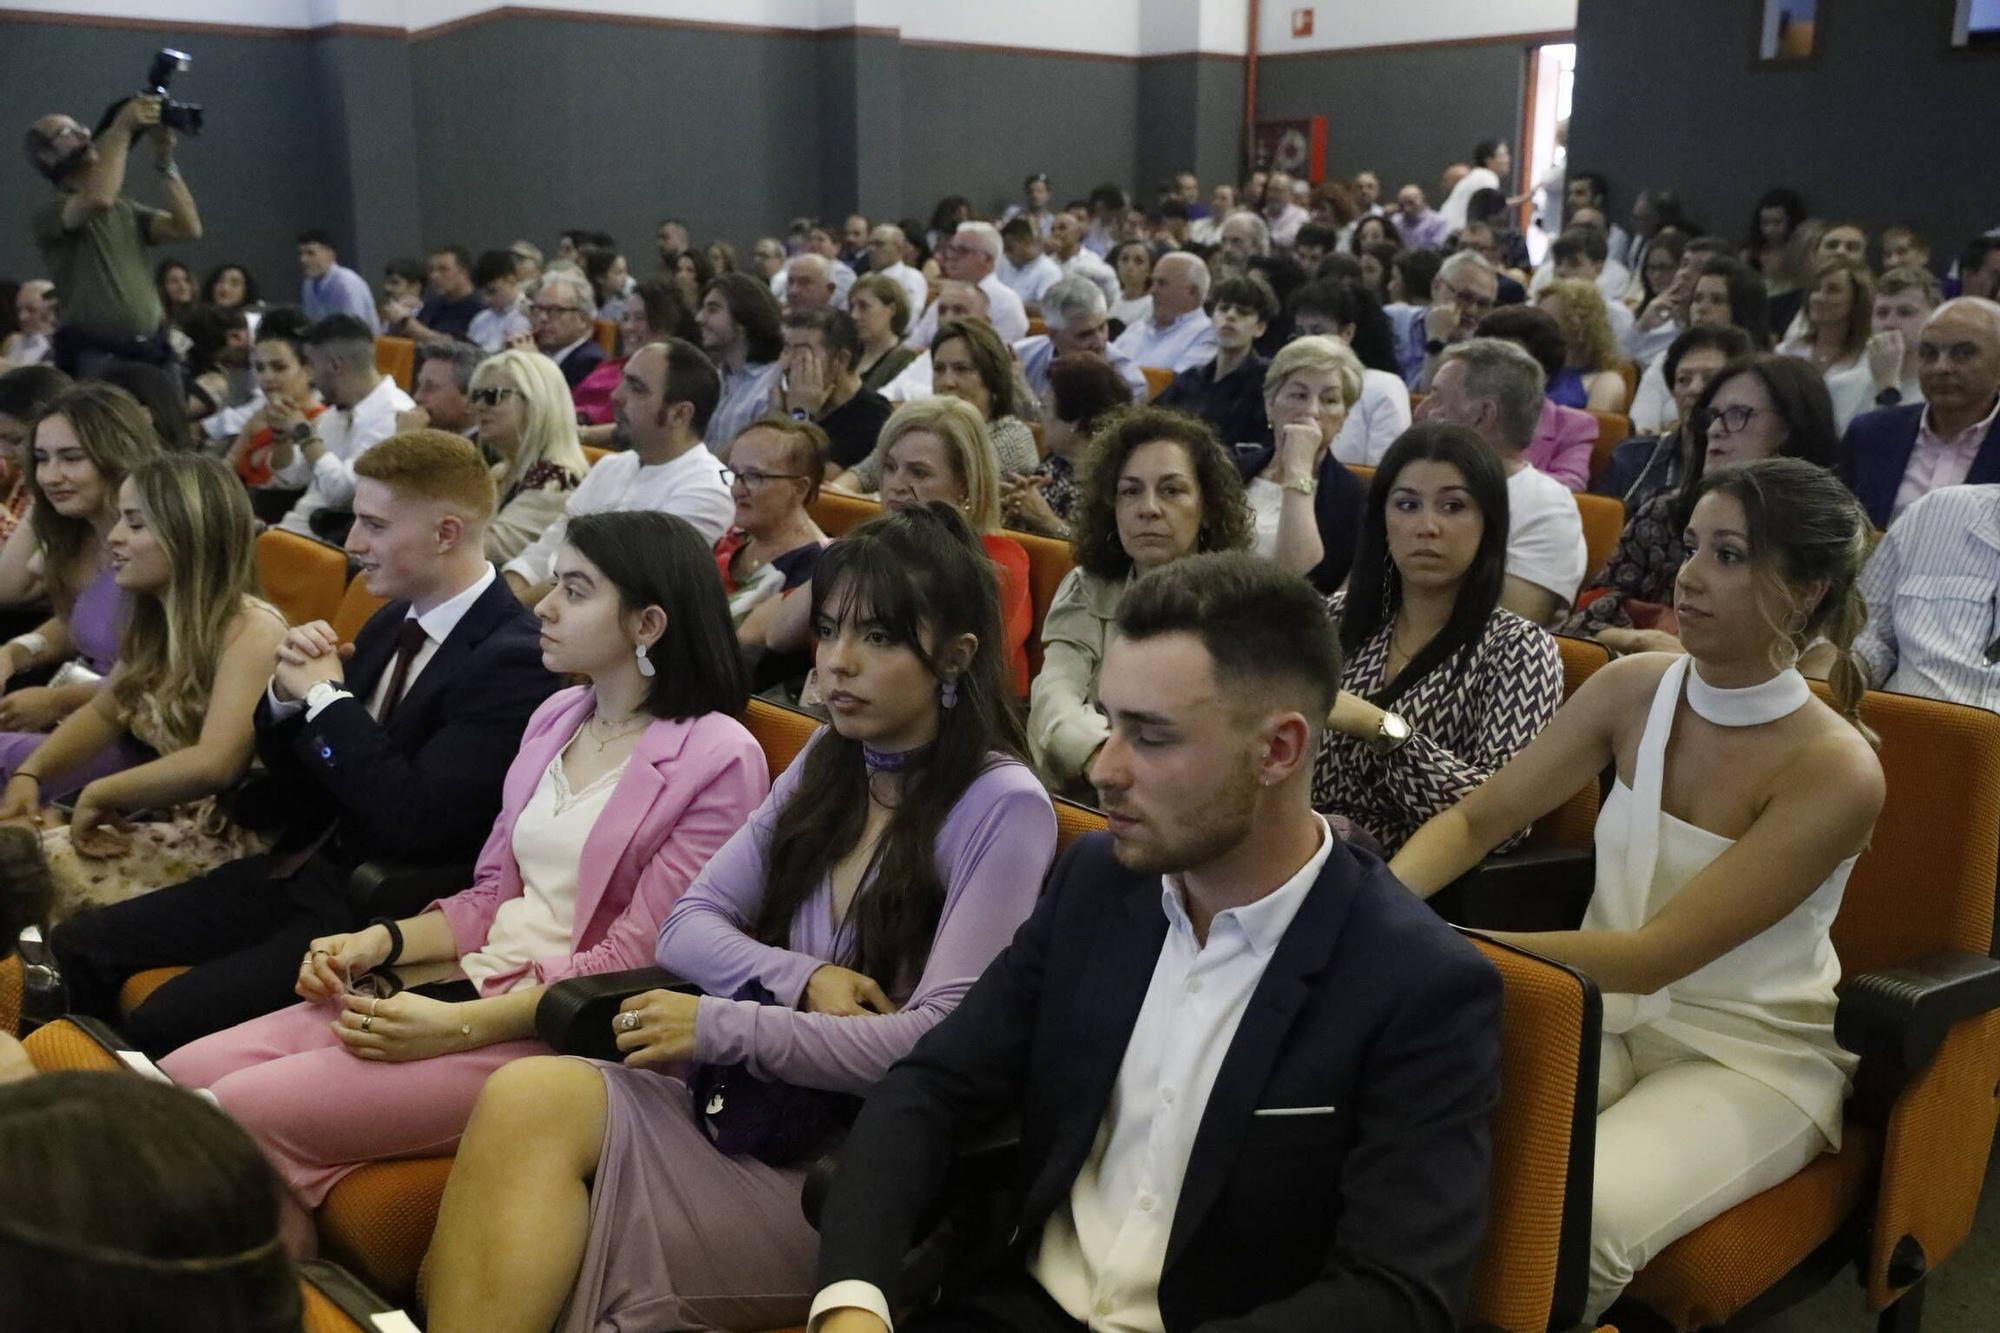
x=1788, y=31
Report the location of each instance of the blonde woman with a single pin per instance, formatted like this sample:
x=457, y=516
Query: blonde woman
x=1589, y=377
x=193, y=661
x=938, y=449
x=527, y=419
x=1305, y=505
x=80, y=452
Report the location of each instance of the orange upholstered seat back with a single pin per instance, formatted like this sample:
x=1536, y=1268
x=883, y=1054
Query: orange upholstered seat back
x=838, y=514
x=1574, y=823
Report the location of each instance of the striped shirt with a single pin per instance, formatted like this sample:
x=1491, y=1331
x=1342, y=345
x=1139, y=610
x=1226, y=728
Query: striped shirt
x=1933, y=594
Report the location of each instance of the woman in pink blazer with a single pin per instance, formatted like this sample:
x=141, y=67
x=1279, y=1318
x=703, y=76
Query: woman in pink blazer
x=621, y=792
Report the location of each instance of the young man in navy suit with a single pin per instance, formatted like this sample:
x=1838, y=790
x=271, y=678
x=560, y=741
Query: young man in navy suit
x=1253, y=1073
x=391, y=748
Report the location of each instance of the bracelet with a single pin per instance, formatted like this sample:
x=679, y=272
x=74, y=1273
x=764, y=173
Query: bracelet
x=170, y=169
x=35, y=778
x=395, y=938
x=34, y=641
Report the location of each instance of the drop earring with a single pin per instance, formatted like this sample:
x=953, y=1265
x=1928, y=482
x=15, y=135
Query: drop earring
x=645, y=663
x=948, y=692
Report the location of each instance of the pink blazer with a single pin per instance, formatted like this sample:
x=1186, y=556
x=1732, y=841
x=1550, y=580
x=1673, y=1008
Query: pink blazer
x=687, y=788
x=1564, y=439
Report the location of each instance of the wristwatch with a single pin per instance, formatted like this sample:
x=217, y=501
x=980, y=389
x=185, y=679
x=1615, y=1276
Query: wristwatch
x=301, y=432
x=1434, y=347
x=1391, y=733
x=1889, y=397
x=1304, y=485
x=800, y=414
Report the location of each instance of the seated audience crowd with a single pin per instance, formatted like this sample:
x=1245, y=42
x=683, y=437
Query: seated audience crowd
x=1250, y=520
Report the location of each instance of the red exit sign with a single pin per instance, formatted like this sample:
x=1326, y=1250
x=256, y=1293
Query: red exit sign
x=1302, y=23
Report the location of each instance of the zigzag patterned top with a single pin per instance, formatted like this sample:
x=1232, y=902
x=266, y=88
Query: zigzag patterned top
x=1467, y=718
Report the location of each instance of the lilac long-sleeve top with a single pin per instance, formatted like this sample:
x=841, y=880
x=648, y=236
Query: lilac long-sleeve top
x=992, y=853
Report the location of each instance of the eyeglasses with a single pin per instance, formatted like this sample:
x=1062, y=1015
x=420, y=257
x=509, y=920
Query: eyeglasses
x=551, y=311
x=1732, y=419
x=490, y=397
x=752, y=477
x=1469, y=300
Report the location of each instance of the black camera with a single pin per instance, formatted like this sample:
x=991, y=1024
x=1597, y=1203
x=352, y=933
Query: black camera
x=184, y=117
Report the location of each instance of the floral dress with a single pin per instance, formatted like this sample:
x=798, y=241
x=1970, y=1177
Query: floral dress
x=190, y=839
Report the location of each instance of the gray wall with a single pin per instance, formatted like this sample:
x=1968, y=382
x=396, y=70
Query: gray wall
x=1401, y=114
x=1887, y=125
x=261, y=172
x=1191, y=111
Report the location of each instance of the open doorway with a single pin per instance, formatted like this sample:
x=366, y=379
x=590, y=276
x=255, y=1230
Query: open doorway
x=1545, y=123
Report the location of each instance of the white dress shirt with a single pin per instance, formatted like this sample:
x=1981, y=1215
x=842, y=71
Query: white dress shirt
x=1454, y=208
x=1102, y=1253
x=689, y=486
x=1545, y=543
x=437, y=624
x=1376, y=420
x=347, y=433
x=1038, y=353
x=1004, y=312
x=492, y=328
x=913, y=284
x=1182, y=345
x=1933, y=594
x=1031, y=279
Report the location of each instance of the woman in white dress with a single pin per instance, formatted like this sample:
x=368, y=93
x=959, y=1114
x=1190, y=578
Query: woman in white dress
x=1722, y=852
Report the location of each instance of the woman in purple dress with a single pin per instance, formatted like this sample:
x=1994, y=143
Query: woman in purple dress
x=82, y=448
x=891, y=863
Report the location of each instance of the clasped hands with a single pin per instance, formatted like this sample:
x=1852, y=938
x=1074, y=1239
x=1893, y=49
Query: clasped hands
x=309, y=654
x=399, y=1027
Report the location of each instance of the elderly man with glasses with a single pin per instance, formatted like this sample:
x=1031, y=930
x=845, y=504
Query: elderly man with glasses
x=1465, y=290
x=565, y=324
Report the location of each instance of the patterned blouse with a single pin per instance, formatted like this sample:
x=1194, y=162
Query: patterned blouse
x=1467, y=717
x=1641, y=569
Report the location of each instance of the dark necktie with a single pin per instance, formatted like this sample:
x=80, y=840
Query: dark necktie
x=409, y=638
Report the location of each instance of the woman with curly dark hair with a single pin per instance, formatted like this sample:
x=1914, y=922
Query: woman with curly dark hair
x=1156, y=487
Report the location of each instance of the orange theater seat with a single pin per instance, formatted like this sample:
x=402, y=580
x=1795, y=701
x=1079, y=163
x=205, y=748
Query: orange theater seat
x=606, y=331
x=12, y=987
x=397, y=358
x=1603, y=523
x=1049, y=562
x=1612, y=431
x=303, y=578
x=1157, y=380
x=379, y=1218
x=357, y=604
x=1574, y=822
x=838, y=515
x=594, y=455
x=139, y=987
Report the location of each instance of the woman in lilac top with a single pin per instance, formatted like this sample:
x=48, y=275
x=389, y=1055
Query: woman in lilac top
x=891, y=863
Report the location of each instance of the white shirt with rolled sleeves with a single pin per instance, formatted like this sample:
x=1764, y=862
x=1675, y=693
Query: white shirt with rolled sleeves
x=1933, y=594
x=1004, y=312
x=1102, y=1252
x=1545, y=544
x=689, y=487
x=1182, y=345
x=347, y=433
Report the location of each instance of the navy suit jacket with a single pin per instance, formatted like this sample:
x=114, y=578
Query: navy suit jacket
x=425, y=786
x=1876, y=451
x=1367, y=1217
x=584, y=358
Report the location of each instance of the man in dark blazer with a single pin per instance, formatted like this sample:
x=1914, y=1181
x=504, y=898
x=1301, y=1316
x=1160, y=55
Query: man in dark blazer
x=1253, y=1073
x=564, y=314
x=1953, y=436
x=392, y=748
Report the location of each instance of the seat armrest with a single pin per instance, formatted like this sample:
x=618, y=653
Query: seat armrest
x=347, y=1292
x=574, y=1016
x=1541, y=888
x=404, y=888
x=1898, y=1017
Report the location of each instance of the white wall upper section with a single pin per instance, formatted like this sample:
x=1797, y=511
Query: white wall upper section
x=1101, y=27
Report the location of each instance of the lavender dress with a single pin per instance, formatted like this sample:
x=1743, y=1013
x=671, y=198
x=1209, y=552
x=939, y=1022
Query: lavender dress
x=96, y=623
x=682, y=1237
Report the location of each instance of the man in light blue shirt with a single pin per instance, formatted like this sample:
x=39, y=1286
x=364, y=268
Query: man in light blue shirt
x=1179, y=336
x=328, y=288
x=1074, y=311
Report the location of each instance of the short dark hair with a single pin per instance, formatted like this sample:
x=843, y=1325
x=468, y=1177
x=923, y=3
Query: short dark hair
x=755, y=311
x=1084, y=388
x=458, y=252
x=208, y=328
x=1600, y=185
x=1531, y=328
x=1246, y=293
x=1259, y=623
x=27, y=391
x=1485, y=149
x=692, y=379
x=493, y=266
x=1732, y=342
x=1225, y=515
x=1580, y=243
x=339, y=328
x=1016, y=228
x=1372, y=583
x=464, y=358
x=316, y=236
x=836, y=329
x=285, y=324
x=657, y=559
x=1316, y=234
x=1973, y=257
x=409, y=270
x=160, y=1211
x=667, y=315
x=1374, y=342
x=1419, y=269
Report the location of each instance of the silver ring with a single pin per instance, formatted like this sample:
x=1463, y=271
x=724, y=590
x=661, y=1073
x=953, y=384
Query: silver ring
x=629, y=1020
x=366, y=1019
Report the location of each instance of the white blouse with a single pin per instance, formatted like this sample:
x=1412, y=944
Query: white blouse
x=548, y=842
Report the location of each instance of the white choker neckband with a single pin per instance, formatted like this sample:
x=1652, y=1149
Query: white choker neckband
x=1780, y=696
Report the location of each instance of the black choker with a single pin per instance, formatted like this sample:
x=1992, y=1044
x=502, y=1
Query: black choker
x=889, y=761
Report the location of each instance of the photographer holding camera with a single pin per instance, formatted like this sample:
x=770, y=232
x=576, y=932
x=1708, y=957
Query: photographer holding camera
x=93, y=240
